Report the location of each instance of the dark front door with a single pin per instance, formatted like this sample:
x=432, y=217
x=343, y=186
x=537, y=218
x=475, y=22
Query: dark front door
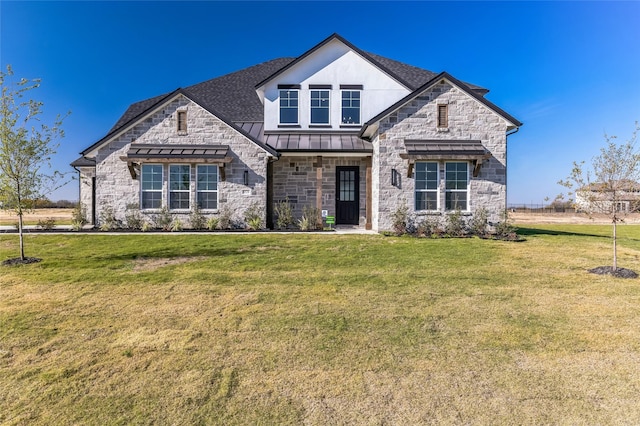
x=347, y=195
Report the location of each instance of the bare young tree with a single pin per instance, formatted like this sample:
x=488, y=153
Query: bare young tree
x=611, y=186
x=26, y=148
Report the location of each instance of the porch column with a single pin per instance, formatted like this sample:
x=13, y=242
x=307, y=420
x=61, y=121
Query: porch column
x=319, y=189
x=369, y=199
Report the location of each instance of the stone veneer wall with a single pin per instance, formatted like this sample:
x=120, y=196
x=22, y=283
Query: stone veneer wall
x=468, y=120
x=116, y=188
x=295, y=178
x=86, y=191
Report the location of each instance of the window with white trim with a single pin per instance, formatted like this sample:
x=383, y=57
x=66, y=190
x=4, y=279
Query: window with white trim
x=151, y=187
x=350, y=107
x=179, y=186
x=319, y=107
x=289, y=106
x=426, y=182
x=456, y=176
x=207, y=187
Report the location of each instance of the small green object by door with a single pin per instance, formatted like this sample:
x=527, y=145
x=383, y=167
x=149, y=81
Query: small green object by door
x=330, y=220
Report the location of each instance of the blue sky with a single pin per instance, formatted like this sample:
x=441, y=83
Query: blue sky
x=570, y=71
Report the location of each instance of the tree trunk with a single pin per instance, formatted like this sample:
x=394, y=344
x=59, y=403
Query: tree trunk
x=615, y=246
x=20, y=225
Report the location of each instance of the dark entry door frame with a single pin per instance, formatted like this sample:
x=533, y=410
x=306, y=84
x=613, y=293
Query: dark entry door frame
x=347, y=195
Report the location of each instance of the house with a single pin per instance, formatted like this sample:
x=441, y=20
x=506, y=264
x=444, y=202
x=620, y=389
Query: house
x=615, y=196
x=338, y=129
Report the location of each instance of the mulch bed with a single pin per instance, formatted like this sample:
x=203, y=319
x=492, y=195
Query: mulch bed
x=18, y=261
x=618, y=272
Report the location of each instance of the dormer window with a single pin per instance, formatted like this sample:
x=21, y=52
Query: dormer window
x=289, y=100
x=350, y=104
x=182, y=122
x=319, y=106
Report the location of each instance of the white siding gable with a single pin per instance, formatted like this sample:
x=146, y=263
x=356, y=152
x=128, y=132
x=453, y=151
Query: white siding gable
x=333, y=64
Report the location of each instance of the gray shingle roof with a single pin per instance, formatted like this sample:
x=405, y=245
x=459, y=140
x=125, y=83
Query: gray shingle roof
x=234, y=96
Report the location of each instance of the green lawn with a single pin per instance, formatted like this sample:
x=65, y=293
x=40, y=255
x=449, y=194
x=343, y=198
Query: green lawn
x=320, y=329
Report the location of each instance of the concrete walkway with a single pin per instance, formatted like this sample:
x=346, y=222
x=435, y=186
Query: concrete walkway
x=32, y=229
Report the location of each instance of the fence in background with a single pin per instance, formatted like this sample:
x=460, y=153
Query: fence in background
x=539, y=208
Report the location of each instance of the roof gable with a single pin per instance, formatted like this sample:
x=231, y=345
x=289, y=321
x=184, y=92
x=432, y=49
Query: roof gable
x=366, y=128
x=352, y=47
x=162, y=102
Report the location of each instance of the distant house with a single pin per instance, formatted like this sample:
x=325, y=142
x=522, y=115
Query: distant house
x=620, y=196
x=339, y=129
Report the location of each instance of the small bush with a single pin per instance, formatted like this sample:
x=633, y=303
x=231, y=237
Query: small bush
x=196, y=219
x=314, y=216
x=225, y=218
x=46, y=224
x=177, y=225
x=132, y=217
x=455, y=226
x=146, y=226
x=304, y=224
x=479, y=222
x=427, y=227
x=284, y=214
x=253, y=217
x=212, y=223
x=163, y=220
x=78, y=217
x=108, y=220
x=400, y=220
x=504, y=230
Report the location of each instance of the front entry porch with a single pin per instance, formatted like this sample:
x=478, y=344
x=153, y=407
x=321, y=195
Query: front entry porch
x=338, y=185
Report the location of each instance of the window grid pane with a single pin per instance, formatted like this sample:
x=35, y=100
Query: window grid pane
x=151, y=196
x=288, y=106
x=426, y=186
x=320, y=107
x=179, y=187
x=350, y=107
x=456, y=183
x=207, y=187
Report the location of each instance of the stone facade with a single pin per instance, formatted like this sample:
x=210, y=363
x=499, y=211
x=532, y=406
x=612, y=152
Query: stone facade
x=468, y=119
x=295, y=179
x=116, y=189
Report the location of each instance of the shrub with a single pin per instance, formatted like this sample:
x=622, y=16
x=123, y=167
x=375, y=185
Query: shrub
x=504, y=230
x=163, y=219
x=46, y=224
x=78, y=217
x=400, y=220
x=455, y=226
x=212, y=223
x=479, y=222
x=146, y=226
x=132, y=217
x=253, y=217
x=225, y=218
x=427, y=227
x=314, y=216
x=284, y=214
x=197, y=219
x=303, y=223
x=176, y=225
x=108, y=220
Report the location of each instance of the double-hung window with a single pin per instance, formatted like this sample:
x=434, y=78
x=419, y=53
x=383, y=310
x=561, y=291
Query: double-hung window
x=456, y=185
x=207, y=187
x=350, y=107
x=179, y=186
x=151, y=186
x=289, y=106
x=319, y=107
x=426, y=180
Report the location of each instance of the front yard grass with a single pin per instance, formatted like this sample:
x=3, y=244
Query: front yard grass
x=320, y=329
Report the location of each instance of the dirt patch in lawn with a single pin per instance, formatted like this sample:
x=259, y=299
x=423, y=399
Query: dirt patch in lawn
x=575, y=218
x=151, y=264
x=8, y=217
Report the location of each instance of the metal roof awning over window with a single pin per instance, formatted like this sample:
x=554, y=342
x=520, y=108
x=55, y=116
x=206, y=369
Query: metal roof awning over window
x=471, y=150
x=148, y=153
x=317, y=142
